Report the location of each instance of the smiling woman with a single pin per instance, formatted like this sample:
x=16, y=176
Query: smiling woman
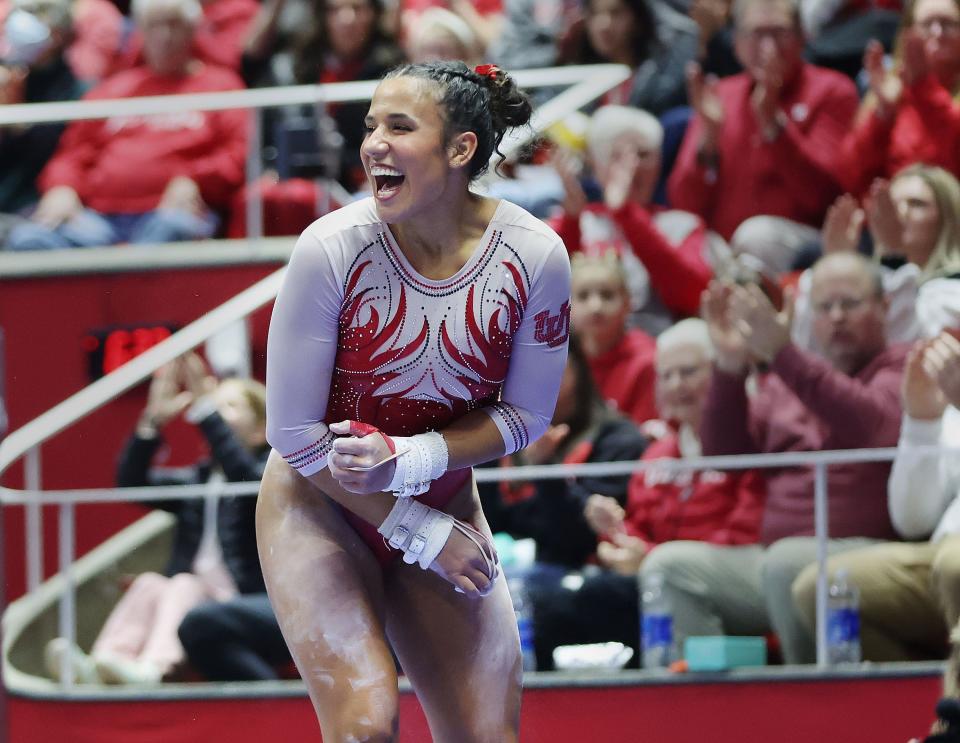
x=401, y=353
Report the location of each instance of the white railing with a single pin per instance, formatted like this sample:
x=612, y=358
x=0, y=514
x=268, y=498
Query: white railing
x=819, y=461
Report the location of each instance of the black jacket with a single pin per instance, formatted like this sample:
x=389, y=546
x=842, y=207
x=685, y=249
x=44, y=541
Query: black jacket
x=235, y=515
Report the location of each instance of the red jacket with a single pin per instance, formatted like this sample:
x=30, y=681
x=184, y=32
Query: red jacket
x=710, y=506
x=793, y=176
x=678, y=272
x=626, y=377
x=123, y=164
x=925, y=129
x=805, y=404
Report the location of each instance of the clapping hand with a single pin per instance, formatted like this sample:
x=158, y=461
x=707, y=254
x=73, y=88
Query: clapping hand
x=922, y=397
x=885, y=85
x=165, y=399
x=941, y=360
x=568, y=167
x=884, y=219
x=705, y=100
x=196, y=378
x=765, y=330
x=733, y=355
x=843, y=226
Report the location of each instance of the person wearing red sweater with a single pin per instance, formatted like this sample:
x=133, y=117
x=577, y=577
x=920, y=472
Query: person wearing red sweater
x=848, y=398
x=758, y=160
x=911, y=114
x=144, y=179
x=668, y=254
x=621, y=359
x=718, y=507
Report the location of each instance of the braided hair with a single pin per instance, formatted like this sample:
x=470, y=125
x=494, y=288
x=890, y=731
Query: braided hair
x=486, y=104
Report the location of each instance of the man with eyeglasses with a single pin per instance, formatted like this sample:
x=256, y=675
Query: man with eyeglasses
x=767, y=396
x=757, y=161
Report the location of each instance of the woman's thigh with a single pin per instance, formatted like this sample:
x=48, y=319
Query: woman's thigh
x=461, y=654
x=327, y=591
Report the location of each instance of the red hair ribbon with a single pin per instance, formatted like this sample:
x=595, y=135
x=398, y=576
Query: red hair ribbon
x=487, y=70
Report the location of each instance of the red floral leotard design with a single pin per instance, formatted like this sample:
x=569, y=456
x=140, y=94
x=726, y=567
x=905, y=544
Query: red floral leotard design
x=358, y=334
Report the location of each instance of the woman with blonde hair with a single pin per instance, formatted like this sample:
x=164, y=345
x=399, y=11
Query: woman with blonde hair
x=915, y=223
x=911, y=114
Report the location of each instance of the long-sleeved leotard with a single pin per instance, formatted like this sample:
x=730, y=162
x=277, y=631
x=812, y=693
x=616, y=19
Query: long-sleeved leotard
x=357, y=334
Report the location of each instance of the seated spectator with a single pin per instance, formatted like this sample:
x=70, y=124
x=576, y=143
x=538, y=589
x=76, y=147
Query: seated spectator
x=668, y=254
x=758, y=159
x=620, y=358
x=910, y=591
x=848, y=398
x=915, y=224
x=31, y=73
x=219, y=38
x=438, y=34
x=214, y=549
x=651, y=38
x=714, y=506
x=344, y=41
x=235, y=640
x=98, y=30
x=144, y=179
x=910, y=115
x=550, y=512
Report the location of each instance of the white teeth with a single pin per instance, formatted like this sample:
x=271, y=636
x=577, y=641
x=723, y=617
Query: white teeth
x=383, y=170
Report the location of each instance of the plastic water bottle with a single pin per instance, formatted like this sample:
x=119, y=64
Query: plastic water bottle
x=523, y=608
x=656, y=626
x=843, y=620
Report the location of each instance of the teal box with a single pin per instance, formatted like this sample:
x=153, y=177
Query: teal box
x=721, y=652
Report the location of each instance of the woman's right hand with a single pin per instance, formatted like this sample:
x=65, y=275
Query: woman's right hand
x=885, y=85
x=165, y=399
x=843, y=226
x=884, y=219
x=733, y=354
x=922, y=397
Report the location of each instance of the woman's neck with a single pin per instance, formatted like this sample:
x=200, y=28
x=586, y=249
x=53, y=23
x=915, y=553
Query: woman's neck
x=439, y=243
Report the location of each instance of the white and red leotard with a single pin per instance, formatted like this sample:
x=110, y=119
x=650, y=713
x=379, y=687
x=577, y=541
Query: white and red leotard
x=358, y=334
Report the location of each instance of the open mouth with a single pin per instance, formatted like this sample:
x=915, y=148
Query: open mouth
x=387, y=180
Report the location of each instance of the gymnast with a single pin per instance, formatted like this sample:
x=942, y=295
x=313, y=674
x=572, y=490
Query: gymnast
x=417, y=333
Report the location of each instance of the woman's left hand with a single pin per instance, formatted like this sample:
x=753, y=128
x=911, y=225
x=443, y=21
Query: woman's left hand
x=355, y=460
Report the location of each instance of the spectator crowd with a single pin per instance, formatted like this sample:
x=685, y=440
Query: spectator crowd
x=764, y=228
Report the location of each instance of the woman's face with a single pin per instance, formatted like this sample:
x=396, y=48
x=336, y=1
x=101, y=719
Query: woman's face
x=919, y=215
x=683, y=376
x=598, y=303
x=938, y=23
x=234, y=408
x=349, y=26
x=403, y=152
x=610, y=28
